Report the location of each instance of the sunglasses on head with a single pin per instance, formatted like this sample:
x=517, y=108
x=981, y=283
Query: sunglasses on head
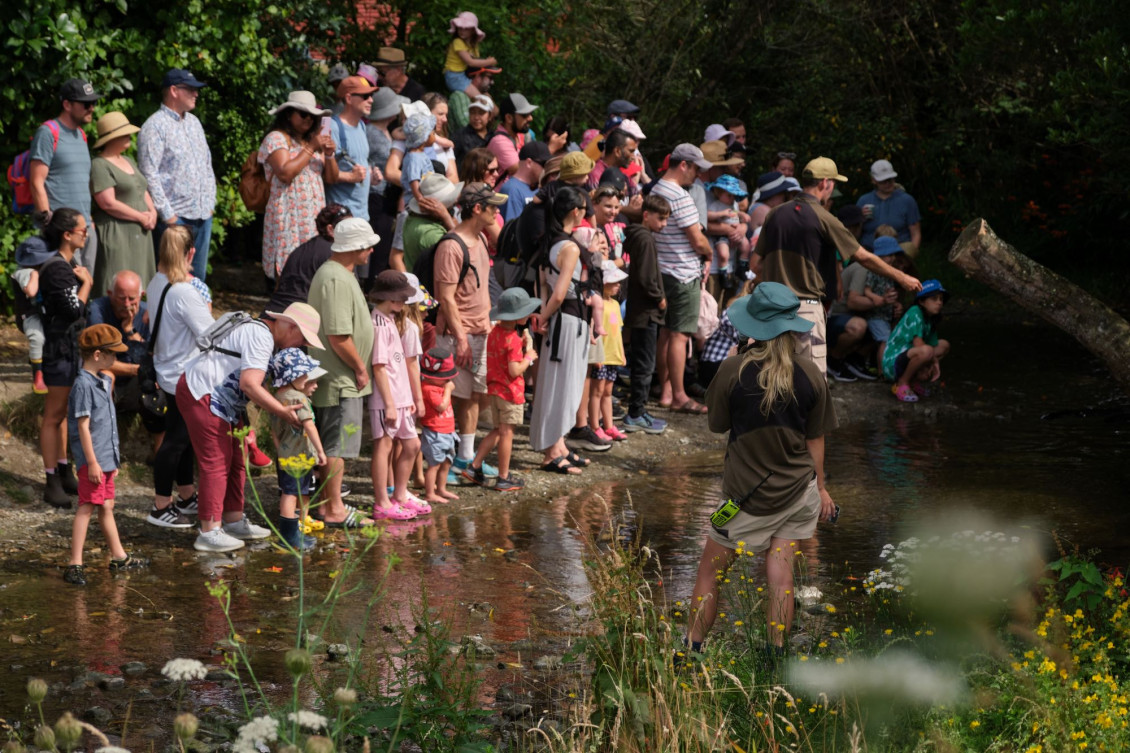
x=786, y=155
x=604, y=191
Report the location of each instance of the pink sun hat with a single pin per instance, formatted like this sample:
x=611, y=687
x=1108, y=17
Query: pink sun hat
x=466, y=20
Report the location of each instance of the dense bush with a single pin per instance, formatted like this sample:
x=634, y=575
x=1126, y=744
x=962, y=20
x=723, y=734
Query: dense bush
x=998, y=108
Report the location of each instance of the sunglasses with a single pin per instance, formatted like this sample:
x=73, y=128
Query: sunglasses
x=84, y=105
x=786, y=155
x=493, y=169
x=80, y=230
x=363, y=96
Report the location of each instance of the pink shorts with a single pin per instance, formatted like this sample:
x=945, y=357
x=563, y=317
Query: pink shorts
x=405, y=429
x=95, y=494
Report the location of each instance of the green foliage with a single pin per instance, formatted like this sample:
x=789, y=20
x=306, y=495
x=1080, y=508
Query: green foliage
x=1081, y=579
x=1003, y=109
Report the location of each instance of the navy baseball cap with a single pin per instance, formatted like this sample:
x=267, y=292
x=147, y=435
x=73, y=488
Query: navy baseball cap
x=181, y=77
x=622, y=107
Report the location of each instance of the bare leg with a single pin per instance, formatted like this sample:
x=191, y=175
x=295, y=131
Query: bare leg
x=485, y=448
x=78, y=532
x=378, y=468
x=662, y=372
x=110, y=530
x=676, y=366
x=779, y=574
x=606, y=404
x=919, y=357
x=409, y=449
x=716, y=559
x=595, y=388
x=334, y=507
x=441, y=482
x=505, y=446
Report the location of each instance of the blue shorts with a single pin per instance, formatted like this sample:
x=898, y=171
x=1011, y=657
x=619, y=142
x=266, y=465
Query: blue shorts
x=837, y=325
x=437, y=448
x=880, y=330
x=289, y=484
x=457, y=81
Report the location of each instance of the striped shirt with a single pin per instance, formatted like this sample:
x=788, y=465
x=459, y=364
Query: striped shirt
x=677, y=257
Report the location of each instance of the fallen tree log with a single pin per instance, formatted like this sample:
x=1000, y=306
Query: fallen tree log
x=980, y=253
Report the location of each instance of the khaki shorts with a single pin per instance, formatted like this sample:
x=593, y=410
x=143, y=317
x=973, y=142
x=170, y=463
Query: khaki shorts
x=503, y=411
x=814, y=343
x=473, y=380
x=796, y=522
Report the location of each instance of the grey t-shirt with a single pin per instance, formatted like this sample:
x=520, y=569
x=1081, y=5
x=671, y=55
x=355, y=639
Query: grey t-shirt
x=854, y=278
x=68, y=167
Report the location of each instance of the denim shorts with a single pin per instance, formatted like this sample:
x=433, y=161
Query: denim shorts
x=289, y=484
x=437, y=448
x=879, y=329
x=456, y=81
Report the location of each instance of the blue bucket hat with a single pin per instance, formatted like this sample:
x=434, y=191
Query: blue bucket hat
x=730, y=185
x=770, y=310
x=290, y=364
x=33, y=252
x=885, y=246
x=417, y=128
x=931, y=287
x=769, y=184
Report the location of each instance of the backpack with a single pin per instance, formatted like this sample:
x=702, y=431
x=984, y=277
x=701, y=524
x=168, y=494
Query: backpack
x=254, y=188
x=424, y=268
x=511, y=267
x=19, y=174
x=207, y=340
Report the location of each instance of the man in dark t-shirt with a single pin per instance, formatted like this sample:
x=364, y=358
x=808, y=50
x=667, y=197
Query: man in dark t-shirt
x=293, y=285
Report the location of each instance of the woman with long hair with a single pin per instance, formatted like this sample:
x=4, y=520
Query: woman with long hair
x=184, y=316
x=564, y=322
x=65, y=288
x=296, y=157
x=775, y=406
x=443, y=150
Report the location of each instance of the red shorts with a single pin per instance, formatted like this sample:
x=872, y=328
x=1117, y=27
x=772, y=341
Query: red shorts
x=95, y=494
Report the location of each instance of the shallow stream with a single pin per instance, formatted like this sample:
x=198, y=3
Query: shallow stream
x=512, y=570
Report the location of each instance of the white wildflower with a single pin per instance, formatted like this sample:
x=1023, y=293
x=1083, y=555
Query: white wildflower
x=111, y=749
x=308, y=719
x=180, y=670
x=261, y=730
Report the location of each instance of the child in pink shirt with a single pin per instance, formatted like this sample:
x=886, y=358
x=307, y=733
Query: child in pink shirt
x=392, y=405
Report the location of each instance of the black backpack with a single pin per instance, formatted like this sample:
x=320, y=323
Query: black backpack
x=424, y=267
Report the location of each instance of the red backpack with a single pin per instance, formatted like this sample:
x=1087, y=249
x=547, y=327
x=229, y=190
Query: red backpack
x=19, y=174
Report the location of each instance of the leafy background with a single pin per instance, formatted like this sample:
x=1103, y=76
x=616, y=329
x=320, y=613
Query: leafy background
x=1005, y=109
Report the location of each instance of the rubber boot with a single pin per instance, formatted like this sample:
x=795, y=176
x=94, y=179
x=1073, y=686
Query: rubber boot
x=54, y=494
x=292, y=534
x=67, y=475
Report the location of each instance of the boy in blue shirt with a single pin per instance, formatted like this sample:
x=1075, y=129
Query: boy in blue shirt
x=92, y=425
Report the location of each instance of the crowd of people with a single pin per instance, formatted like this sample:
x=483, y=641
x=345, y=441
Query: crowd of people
x=429, y=260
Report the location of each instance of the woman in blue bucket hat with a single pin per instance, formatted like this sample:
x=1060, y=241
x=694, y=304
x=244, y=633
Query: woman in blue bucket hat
x=775, y=406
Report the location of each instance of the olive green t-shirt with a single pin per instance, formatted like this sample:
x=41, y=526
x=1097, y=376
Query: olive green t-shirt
x=336, y=295
x=770, y=449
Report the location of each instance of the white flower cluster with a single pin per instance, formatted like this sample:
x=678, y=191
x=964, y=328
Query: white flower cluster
x=901, y=559
x=258, y=731
x=180, y=670
x=307, y=719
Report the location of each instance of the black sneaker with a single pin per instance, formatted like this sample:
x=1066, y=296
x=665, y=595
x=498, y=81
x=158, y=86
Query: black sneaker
x=584, y=438
x=511, y=484
x=129, y=563
x=474, y=475
x=188, y=506
x=619, y=410
x=838, y=371
x=858, y=368
x=75, y=575
x=53, y=493
x=67, y=475
x=168, y=517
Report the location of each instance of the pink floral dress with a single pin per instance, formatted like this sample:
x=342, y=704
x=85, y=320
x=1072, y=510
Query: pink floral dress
x=291, y=210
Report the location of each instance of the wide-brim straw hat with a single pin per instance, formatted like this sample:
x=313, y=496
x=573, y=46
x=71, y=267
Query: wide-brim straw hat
x=303, y=101
x=768, y=312
x=113, y=125
x=306, y=318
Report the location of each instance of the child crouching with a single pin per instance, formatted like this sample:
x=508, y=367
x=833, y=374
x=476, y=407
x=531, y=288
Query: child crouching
x=508, y=356
x=437, y=370
x=92, y=426
x=295, y=378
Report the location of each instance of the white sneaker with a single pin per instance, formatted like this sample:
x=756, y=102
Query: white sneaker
x=216, y=541
x=246, y=530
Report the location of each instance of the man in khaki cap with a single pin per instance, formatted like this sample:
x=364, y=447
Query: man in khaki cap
x=797, y=247
x=392, y=71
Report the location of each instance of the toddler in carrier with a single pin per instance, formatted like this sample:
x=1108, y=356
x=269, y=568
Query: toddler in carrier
x=29, y=304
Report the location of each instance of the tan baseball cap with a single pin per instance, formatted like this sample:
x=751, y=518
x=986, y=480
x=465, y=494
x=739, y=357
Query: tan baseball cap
x=822, y=168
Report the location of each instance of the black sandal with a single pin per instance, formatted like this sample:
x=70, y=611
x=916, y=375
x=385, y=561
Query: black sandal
x=559, y=465
x=577, y=461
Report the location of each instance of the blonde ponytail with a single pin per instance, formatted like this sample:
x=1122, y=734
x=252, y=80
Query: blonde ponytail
x=775, y=375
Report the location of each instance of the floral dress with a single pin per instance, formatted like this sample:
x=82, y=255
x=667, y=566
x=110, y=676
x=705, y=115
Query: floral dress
x=291, y=210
